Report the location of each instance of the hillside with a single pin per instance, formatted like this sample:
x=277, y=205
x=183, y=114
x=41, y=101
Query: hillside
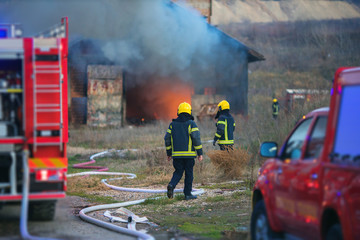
x=303, y=41
x=257, y=11
x=295, y=35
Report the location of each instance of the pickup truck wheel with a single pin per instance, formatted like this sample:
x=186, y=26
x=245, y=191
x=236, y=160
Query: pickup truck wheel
x=42, y=211
x=334, y=233
x=260, y=227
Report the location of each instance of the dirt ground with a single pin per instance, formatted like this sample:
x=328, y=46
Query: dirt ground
x=68, y=225
x=221, y=212
x=214, y=206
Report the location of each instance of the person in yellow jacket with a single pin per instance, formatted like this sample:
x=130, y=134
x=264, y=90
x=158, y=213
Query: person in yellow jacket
x=183, y=144
x=275, y=108
x=225, y=127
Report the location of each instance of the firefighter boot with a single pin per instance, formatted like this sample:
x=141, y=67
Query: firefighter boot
x=190, y=197
x=170, y=191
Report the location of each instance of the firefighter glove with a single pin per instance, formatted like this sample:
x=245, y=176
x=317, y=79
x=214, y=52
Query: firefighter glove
x=214, y=142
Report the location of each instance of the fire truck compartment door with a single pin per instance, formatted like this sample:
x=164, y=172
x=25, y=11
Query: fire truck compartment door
x=11, y=48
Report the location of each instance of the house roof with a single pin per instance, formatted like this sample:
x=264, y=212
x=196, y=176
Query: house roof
x=253, y=55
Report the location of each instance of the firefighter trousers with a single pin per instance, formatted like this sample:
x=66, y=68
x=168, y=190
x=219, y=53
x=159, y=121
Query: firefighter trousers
x=182, y=165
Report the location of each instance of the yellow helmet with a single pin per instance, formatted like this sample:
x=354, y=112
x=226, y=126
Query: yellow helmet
x=274, y=100
x=184, y=108
x=223, y=105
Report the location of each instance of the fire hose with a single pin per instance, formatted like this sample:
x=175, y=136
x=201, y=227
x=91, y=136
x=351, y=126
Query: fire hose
x=83, y=212
x=25, y=202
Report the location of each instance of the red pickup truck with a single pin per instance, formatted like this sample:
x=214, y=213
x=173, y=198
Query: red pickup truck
x=310, y=187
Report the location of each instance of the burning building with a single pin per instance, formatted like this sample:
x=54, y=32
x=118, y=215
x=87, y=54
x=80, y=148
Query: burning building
x=153, y=54
x=154, y=85
x=145, y=97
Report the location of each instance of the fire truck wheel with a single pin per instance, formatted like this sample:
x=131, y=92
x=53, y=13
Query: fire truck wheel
x=334, y=233
x=260, y=227
x=42, y=210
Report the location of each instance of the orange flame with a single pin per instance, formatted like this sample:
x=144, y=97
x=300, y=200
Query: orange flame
x=157, y=99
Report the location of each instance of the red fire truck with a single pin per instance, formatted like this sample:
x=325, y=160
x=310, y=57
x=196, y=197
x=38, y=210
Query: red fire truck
x=33, y=118
x=310, y=188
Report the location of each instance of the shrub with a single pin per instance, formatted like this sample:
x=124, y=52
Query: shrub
x=232, y=163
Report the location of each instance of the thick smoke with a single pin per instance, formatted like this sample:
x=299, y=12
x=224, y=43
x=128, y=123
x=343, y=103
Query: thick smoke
x=145, y=37
x=148, y=38
x=164, y=39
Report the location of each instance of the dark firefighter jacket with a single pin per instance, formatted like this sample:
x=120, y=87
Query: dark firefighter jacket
x=225, y=128
x=275, y=108
x=182, y=139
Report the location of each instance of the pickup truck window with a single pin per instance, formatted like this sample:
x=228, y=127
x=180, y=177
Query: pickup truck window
x=347, y=137
x=293, y=146
x=316, y=141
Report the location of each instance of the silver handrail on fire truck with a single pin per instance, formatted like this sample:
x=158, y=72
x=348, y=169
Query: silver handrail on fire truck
x=61, y=80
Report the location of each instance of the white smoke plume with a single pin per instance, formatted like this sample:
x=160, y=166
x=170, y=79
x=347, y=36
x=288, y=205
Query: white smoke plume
x=144, y=36
x=166, y=39
x=149, y=38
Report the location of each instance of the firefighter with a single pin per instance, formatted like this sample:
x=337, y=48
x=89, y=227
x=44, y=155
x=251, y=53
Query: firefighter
x=225, y=127
x=183, y=144
x=275, y=108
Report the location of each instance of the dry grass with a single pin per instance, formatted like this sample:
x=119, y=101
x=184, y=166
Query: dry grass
x=85, y=184
x=205, y=172
x=156, y=158
x=129, y=137
x=157, y=176
x=232, y=163
x=160, y=170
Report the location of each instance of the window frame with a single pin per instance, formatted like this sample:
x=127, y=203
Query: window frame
x=314, y=125
x=283, y=153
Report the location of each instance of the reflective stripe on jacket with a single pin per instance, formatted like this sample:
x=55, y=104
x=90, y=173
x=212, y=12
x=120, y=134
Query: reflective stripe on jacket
x=275, y=108
x=182, y=139
x=225, y=127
